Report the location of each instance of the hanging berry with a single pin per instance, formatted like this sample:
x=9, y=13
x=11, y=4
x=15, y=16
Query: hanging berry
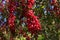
x=30, y=3
x=32, y=22
x=11, y=18
x=1, y=7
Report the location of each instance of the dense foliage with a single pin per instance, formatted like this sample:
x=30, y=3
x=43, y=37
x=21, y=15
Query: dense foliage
x=29, y=20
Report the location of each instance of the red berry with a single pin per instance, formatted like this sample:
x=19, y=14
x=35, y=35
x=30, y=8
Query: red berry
x=27, y=38
x=32, y=22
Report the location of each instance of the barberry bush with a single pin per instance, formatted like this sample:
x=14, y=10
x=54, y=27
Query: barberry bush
x=29, y=19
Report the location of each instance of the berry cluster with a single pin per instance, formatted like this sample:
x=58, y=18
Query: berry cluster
x=56, y=8
x=1, y=7
x=11, y=18
x=32, y=21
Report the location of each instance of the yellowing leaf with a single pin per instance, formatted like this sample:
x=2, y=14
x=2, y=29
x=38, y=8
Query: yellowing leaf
x=43, y=6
